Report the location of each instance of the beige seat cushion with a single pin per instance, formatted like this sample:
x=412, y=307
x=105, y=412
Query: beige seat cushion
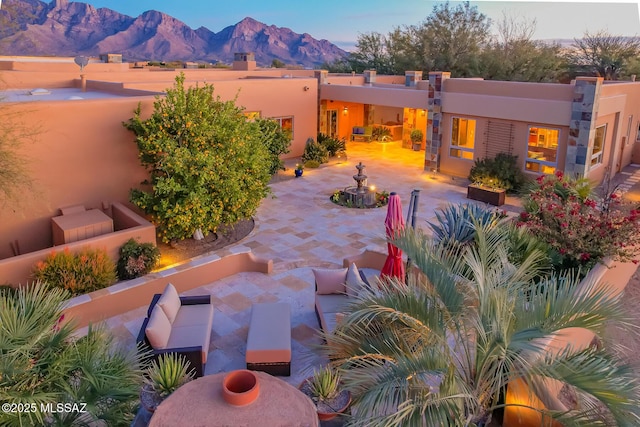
x=196, y=314
x=328, y=306
x=191, y=336
x=354, y=282
x=269, y=339
x=330, y=281
x=158, y=329
x=170, y=302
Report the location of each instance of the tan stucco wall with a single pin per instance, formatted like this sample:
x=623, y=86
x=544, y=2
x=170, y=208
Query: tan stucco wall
x=81, y=154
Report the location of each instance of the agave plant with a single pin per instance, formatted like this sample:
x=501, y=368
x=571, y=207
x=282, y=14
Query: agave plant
x=443, y=348
x=454, y=223
x=169, y=372
x=324, y=384
x=42, y=363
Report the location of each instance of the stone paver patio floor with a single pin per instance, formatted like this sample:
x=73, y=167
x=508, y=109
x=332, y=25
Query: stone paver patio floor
x=300, y=228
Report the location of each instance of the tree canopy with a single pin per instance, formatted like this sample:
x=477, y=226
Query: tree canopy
x=208, y=164
x=460, y=39
x=603, y=54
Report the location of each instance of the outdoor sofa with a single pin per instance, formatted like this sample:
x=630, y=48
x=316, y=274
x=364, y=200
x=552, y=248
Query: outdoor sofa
x=179, y=325
x=335, y=289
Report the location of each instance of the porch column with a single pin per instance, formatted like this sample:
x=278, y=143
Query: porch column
x=321, y=76
x=582, y=129
x=434, y=120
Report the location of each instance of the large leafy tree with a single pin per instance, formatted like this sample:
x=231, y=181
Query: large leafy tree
x=453, y=38
x=371, y=53
x=603, y=54
x=442, y=349
x=42, y=363
x=208, y=163
x=512, y=55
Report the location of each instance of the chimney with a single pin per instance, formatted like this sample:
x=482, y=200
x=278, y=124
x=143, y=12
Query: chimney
x=369, y=76
x=411, y=78
x=244, y=61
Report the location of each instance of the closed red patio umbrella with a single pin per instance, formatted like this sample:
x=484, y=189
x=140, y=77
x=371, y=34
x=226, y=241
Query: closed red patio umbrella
x=394, y=223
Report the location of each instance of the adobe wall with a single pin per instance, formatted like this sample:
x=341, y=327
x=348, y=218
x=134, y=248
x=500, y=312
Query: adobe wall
x=131, y=294
x=17, y=270
x=81, y=154
x=461, y=167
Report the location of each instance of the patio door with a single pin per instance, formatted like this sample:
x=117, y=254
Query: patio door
x=332, y=123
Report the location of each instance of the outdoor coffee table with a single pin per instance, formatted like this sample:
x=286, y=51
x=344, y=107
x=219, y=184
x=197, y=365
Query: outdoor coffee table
x=200, y=403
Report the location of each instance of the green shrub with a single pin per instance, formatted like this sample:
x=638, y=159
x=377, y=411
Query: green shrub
x=312, y=164
x=136, y=259
x=455, y=223
x=43, y=362
x=334, y=146
x=325, y=384
x=277, y=142
x=315, y=151
x=416, y=136
x=80, y=273
x=502, y=171
x=208, y=164
x=379, y=133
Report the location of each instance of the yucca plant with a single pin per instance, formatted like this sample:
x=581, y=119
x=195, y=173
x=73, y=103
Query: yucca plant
x=324, y=384
x=442, y=348
x=169, y=372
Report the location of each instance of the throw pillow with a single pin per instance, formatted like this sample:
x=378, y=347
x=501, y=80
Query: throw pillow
x=354, y=281
x=158, y=328
x=330, y=281
x=170, y=302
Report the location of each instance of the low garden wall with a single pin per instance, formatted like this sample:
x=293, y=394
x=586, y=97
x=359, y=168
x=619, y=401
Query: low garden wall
x=17, y=270
x=131, y=294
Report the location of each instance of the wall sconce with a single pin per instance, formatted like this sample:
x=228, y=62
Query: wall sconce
x=345, y=110
x=423, y=112
x=306, y=88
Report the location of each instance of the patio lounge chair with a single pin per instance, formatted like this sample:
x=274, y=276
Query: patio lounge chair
x=179, y=325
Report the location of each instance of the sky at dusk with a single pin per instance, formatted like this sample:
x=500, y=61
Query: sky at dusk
x=341, y=21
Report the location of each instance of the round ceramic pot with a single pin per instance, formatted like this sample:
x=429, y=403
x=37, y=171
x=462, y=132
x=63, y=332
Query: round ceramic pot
x=240, y=388
x=298, y=172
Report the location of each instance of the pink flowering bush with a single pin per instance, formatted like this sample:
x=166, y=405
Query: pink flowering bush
x=580, y=228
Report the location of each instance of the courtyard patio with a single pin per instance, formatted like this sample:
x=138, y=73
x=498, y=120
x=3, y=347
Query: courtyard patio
x=299, y=228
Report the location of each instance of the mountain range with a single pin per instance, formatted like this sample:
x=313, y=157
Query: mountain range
x=63, y=28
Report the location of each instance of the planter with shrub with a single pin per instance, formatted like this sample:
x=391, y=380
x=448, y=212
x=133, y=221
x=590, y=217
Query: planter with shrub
x=136, y=259
x=164, y=376
x=324, y=388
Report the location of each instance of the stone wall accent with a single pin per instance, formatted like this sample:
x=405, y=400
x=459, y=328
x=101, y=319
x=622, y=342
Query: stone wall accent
x=582, y=128
x=434, y=120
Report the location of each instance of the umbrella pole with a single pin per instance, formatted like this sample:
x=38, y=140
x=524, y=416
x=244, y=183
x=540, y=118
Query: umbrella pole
x=413, y=209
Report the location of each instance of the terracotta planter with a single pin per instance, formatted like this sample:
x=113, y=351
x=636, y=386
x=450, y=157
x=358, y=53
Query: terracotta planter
x=337, y=406
x=240, y=388
x=494, y=197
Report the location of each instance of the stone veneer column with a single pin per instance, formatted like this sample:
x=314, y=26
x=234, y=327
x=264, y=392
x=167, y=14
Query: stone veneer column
x=411, y=78
x=321, y=76
x=582, y=128
x=369, y=76
x=434, y=120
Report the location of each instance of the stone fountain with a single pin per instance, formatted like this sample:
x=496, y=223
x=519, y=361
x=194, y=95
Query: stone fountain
x=360, y=195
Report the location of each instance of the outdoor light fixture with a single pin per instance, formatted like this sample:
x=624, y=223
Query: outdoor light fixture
x=306, y=88
x=345, y=110
x=423, y=112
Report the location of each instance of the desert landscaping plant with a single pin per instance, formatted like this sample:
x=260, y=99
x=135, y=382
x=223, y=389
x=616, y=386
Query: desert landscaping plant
x=277, y=142
x=581, y=228
x=42, y=363
x=136, y=259
x=336, y=147
x=81, y=273
x=501, y=171
x=208, y=164
x=443, y=348
x=313, y=151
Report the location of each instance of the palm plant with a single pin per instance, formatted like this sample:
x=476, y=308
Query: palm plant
x=442, y=349
x=42, y=363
